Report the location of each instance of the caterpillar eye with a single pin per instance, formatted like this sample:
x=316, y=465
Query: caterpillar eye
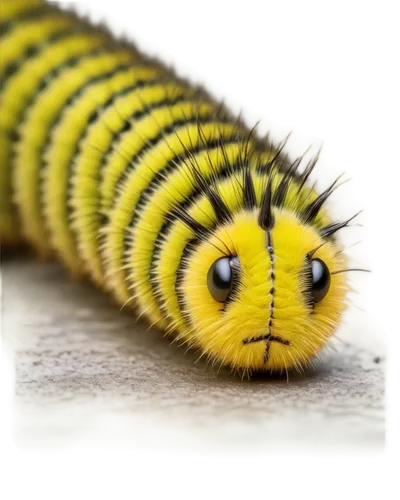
x=321, y=279
x=221, y=278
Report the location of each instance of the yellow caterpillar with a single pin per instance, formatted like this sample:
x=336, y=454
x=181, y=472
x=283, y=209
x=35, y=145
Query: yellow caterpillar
x=144, y=183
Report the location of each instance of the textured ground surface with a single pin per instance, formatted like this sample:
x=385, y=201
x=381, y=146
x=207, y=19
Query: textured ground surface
x=86, y=373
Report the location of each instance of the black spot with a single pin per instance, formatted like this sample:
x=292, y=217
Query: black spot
x=103, y=219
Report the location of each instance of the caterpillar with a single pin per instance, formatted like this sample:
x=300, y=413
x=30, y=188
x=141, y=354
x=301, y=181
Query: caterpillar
x=148, y=186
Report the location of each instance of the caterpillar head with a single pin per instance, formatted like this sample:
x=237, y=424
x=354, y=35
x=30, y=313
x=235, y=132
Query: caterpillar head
x=264, y=291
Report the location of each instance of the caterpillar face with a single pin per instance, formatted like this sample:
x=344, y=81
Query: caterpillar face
x=263, y=299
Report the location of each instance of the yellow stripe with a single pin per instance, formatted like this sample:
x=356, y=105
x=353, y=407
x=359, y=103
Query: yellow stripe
x=34, y=133
x=85, y=201
x=60, y=155
x=9, y=9
x=13, y=46
x=23, y=85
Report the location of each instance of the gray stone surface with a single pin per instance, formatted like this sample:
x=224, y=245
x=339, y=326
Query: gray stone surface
x=87, y=373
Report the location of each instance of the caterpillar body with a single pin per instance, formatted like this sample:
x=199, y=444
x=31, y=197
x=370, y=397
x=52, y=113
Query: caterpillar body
x=145, y=184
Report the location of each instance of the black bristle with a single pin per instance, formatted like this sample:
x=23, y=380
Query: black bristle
x=279, y=197
x=351, y=270
x=221, y=210
x=283, y=187
x=249, y=194
x=308, y=170
x=266, y=217
x=311, y=211
x=329, y=230
x=273, y=162
x=192, y=223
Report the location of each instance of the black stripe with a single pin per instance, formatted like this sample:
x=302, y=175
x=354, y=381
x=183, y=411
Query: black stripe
x=130, y=123
x=70, y=102
x=151, y=143
x=45, y=82
x=78, y=92
x=189, y=249
x=95, y=116
x=27, y=15
x=33, y=50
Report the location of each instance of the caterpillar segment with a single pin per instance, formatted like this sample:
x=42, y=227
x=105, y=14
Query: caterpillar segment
x=144, y=183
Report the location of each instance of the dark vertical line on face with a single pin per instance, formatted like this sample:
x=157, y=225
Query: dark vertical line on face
x=267, y=351
x=266, y=220
x=270, y=250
